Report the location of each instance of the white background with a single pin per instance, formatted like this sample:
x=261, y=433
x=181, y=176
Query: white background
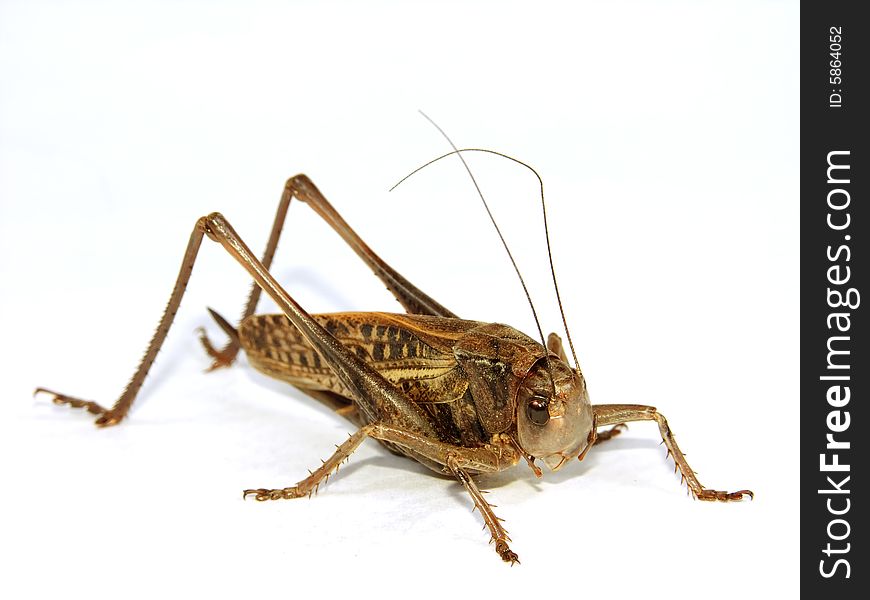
x=667, y=136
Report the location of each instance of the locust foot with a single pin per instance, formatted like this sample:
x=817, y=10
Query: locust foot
x=262, y=494
x=506, y=553
x=105, y=416
x=714, y=495
x=220, y=358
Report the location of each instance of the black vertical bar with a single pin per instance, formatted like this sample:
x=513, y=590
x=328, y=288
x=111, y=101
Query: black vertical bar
x=835, y=369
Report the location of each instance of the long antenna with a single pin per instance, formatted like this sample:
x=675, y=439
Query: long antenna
x=546, y=227
x=494, y=224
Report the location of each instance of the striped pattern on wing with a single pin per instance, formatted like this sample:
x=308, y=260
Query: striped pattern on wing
x=413, y=352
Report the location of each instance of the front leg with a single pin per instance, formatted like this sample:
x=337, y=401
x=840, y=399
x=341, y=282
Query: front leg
x=610, y=414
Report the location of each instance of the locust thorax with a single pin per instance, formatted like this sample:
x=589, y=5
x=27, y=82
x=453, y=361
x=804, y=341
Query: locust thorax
x=554, y=415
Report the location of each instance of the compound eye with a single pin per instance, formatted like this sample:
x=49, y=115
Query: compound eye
x=537, y=410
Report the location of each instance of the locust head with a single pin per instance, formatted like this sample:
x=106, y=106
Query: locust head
x=554, y=415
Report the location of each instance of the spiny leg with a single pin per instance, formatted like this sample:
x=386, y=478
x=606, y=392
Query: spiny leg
x=114, y=415
x=431, y=452
x=312, y=483
x=361, y=377
x=609, y=414
x=412, y=299
x=301, y=187
x=320, y=475
x=497, y=531
x=457, y=460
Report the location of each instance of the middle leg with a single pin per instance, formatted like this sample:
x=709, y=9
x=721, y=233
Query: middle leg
x=455, y=459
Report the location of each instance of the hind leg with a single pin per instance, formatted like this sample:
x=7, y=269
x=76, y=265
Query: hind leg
x=367, y=383
x=412, y=299
x=119, y=410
